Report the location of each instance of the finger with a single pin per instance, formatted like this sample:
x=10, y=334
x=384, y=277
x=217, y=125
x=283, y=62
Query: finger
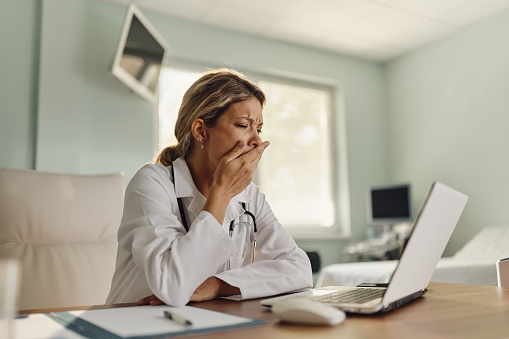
x=256, y=153
x=156, y=302
x=262, y=147
x=145, y=301
x=235, y=152
x=265, y=144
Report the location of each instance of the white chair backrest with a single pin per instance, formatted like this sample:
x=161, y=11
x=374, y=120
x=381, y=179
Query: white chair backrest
x=62, y=228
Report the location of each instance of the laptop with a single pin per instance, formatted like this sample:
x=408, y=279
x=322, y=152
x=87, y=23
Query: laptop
x=432, y=229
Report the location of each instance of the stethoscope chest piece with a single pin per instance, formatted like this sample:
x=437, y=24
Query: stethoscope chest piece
x=232, y=223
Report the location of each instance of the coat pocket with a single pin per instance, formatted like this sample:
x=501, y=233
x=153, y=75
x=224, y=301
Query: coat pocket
x=241, y=262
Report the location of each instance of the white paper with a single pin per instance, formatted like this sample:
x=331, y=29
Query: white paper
x=150, y=320
x=235, y=297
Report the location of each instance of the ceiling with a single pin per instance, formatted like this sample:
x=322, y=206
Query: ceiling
x=376, y=30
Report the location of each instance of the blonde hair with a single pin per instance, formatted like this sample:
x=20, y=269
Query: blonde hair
x=208, y=98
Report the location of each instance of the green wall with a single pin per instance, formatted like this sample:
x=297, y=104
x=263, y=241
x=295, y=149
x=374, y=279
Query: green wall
x=439, y=112
x=449, y=121
x=88, y=122
x=61, y=109
x=20, y=23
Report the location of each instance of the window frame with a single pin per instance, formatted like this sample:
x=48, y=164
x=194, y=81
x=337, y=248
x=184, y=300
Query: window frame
x=339, y=228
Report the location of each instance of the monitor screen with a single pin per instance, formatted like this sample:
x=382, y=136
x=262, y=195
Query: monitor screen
x=140, y=55
x=389, y=204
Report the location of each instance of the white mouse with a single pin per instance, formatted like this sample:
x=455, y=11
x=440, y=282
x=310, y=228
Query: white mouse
x=306, y=311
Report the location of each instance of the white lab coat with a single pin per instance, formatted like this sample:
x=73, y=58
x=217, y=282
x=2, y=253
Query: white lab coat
x=156, y=256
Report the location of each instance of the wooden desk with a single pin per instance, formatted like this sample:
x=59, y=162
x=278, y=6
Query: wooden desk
x=446, y=311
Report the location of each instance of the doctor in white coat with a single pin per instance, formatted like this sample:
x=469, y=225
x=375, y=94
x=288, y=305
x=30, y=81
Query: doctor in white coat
x=194, y=227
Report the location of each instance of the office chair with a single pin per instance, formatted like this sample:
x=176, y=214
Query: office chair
x=314, y=259
x=62, y=228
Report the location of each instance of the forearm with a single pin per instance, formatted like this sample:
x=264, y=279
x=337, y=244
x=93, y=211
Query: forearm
x=227, y=289
x=174, y=274
x=269, y=277
x=213, y=288
x=217, y=203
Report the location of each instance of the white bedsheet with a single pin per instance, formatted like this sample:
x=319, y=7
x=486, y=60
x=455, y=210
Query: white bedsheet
x=473, y=264
x=448, y=270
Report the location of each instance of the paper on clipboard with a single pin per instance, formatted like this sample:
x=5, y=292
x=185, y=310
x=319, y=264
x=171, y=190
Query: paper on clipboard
x=235, y=297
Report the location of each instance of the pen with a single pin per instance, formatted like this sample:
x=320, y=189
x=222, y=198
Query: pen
x=177, y=318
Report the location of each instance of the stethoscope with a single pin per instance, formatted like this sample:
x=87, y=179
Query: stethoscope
x=232, y=223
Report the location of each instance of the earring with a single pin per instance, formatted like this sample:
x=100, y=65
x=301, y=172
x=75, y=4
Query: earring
x=199, y=140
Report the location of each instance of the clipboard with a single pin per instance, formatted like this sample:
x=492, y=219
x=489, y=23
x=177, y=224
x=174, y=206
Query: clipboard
x=148, y=322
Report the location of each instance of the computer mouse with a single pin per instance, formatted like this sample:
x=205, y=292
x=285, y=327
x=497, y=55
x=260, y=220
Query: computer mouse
x=307, y=311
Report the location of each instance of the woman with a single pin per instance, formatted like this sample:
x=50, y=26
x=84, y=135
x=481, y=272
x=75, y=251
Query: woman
x=223, y=239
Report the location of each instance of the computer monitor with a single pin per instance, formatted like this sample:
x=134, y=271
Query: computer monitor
x=390, y=204
x=140, y=55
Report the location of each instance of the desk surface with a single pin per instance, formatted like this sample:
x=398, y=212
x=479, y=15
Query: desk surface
x=445, y=311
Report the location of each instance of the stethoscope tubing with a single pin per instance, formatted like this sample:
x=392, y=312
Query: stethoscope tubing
x=232, y=223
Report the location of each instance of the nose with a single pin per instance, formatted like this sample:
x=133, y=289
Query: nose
x=255, y=139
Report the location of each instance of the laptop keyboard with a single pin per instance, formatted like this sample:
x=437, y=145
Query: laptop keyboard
x=354, y=296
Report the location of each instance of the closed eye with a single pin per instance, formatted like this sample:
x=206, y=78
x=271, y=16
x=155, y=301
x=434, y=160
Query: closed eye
x=259, y=131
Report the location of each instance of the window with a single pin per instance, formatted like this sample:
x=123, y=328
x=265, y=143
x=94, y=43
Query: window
x=173, y=83
x=295, y=172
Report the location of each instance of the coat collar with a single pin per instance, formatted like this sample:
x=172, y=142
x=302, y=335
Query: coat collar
x=183, y=181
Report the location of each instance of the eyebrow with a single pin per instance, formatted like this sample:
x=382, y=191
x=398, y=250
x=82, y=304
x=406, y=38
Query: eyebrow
x=250, y=120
